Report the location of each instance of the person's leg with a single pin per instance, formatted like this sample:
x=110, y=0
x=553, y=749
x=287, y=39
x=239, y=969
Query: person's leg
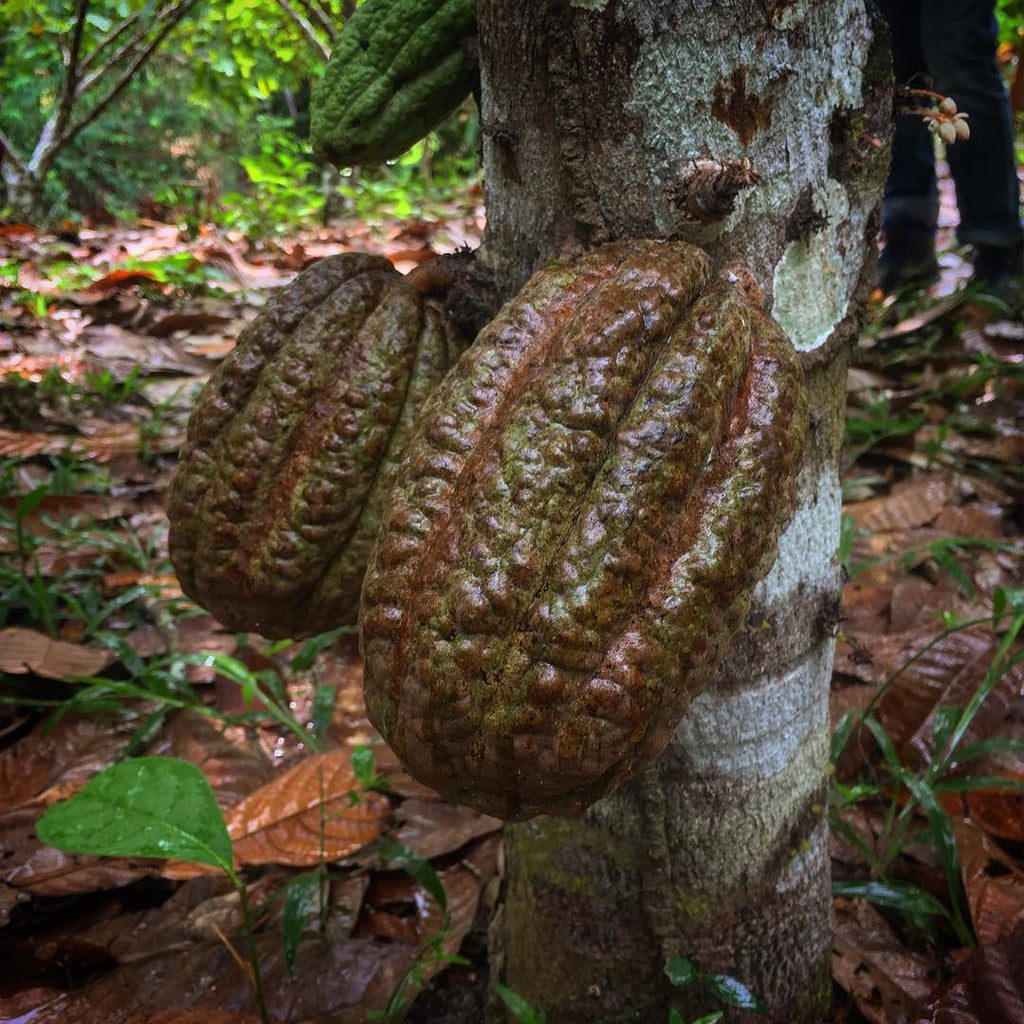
x=910, y=207
x=959, y=41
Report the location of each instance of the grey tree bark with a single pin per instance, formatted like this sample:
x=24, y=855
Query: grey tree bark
x=617, y=118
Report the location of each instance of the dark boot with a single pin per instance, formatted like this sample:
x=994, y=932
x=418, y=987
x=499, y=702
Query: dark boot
x=999, y=271
x=908, y=258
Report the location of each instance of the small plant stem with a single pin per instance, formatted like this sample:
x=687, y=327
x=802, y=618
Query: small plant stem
x=940, y=763
x=880, y=693
x=250, y=939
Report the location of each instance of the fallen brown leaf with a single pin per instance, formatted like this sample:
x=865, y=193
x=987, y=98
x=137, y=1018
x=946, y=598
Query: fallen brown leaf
x=993, y=882
x=25, y=650
x=306, y=815
x=986, y=988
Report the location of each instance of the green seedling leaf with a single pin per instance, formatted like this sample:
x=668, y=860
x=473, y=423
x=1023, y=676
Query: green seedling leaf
x=149, y=807
x=943, y=723
x=363, y=766
x=939, y=550
x=518, y=1006
x=300, y=900
x=898, y=895
x=679, y=970
x=885, y=744
x=312, y=647
x=841, y=736
x=416, y=868
x=731, y=992
x=675, y=1017
x=1004, y=598
x=967, y=783
x=322, y=708
x=711, y=1018
x=996, y=745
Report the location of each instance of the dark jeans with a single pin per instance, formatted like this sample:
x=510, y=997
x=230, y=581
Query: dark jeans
x=954, y=43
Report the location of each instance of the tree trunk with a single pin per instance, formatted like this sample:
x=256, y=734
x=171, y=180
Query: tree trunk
x=24, y=193
x=599, y=117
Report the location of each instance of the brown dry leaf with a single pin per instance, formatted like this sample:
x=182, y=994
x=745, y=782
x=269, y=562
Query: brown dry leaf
x=335, y=981
x=45, y=871
x=864, y=600
x=24, y=650
x=430, y=828
x=281, y=822
x=974, y=521
x=118, y=440
x=993, y=882
x=946, y=673
x=75, y=749
x=884, y=978
x=987, y=988
x=914, y=502
x=185, y=320
x=203, y=1016
x=999, y=811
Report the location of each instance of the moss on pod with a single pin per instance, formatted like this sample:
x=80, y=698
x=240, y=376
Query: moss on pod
x=582, y=514
x=294, y=443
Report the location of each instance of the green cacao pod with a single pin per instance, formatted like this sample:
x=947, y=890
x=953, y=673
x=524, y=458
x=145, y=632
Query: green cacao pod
x=294, y=443
x=398, y=69
x=580, y=519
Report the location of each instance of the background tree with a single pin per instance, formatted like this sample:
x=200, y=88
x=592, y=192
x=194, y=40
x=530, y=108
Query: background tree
x=610, y=118
x=100, y=103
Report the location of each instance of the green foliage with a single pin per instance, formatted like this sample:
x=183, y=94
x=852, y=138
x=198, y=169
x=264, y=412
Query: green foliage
x=148, y=807
x=723, y=987
x=907, y=791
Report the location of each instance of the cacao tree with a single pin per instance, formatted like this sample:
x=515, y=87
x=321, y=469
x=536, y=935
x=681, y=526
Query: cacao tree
x=757, y=129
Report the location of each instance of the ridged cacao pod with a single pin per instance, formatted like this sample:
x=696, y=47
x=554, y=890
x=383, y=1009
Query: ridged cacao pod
x=398, y=69
x=294, y=443
x=580, y=519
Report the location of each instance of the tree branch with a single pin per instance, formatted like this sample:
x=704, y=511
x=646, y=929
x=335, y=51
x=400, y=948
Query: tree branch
x=306, y=29
x=126, y=48
x=111, y=37
x=325, y=20
x=68, y=89
x=172, y=16
x=11, y=153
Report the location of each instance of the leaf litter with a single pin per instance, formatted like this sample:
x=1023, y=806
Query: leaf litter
x=97, y=369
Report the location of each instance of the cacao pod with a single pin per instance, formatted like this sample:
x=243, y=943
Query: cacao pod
x=294, y=442
x=581, y=515
x=397, y=70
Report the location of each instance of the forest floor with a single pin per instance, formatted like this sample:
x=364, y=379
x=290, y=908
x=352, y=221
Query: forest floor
x=366, y=888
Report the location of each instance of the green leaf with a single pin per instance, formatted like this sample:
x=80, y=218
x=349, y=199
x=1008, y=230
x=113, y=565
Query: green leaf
x=312, y=647
x=943, y=722
x=898, y=895
x=711, y=1018
x=679, y=970
x=675, y=1017
x=148, y=807
x=518, y=1006
x=322, y=708
x=362, y=765
x=415, y=867
x=731, y=992
x=300, y=900
x=966, y=783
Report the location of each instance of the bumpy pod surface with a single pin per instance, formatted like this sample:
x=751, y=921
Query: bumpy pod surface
x=294, y=443
x=576, y=529
x=398, y=69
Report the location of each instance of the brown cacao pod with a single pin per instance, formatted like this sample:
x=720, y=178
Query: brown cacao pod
x=294, y=442
x=580, y=518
